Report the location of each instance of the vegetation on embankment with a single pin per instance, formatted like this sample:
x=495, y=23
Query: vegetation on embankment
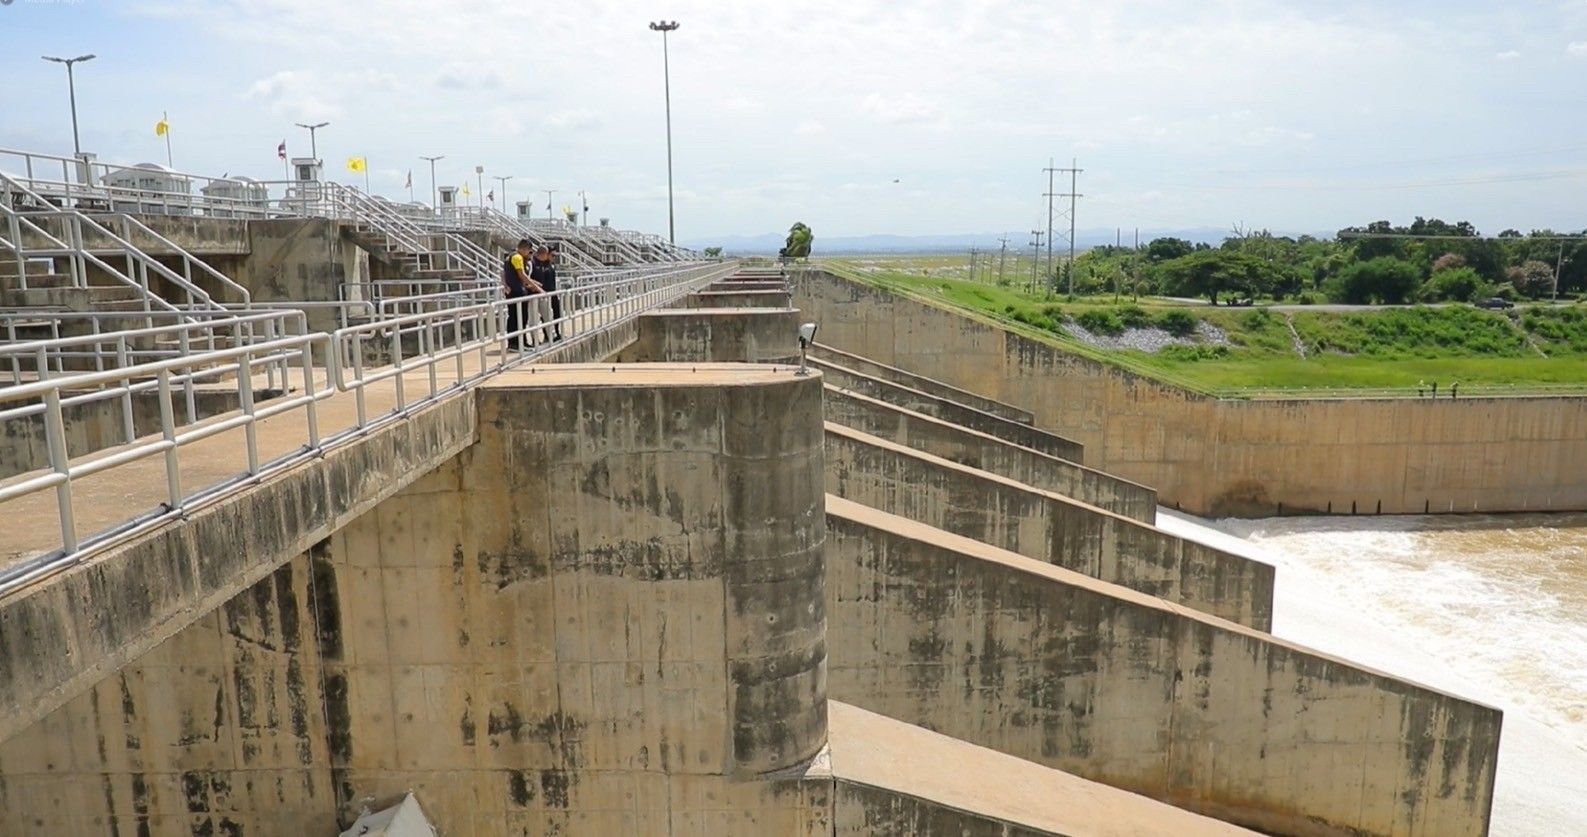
x=1235, y=351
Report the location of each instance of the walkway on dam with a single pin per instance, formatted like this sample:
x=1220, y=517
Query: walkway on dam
x=137, y=490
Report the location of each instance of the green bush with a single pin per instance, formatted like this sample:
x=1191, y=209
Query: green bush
x=1192, y=354
x=1178, y=323
x=1100, y=321
x=1134, y=316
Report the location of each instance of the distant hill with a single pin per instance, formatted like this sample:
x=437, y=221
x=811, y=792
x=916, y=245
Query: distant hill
x=769, y=243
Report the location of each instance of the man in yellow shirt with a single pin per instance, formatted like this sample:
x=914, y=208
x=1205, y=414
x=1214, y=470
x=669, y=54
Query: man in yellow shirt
x=517, y=286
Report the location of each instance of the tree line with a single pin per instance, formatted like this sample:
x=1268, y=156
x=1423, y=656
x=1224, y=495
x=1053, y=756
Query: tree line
x=1428, y=260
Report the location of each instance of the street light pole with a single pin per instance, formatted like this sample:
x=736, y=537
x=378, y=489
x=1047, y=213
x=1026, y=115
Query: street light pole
x=664, y=27
x=433, y=200
x=584, y=201
x=503, y=190
x=314, y=148
x=480, y=172
x=71, y=91
x=550, y=193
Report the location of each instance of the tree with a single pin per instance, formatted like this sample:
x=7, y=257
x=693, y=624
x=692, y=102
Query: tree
x=1166, y=249
x=799, y=240
x=713, y=252
x=1457, y=284
x=1383, y=279
x=1212, y=272
x=1532, y=278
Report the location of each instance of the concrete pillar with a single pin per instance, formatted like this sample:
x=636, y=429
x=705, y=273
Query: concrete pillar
x=678, y=512
x=726, y=297
x=716, y=335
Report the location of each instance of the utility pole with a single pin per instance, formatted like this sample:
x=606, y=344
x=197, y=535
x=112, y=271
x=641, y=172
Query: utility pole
x=1002, y=255
x=972, y=264
x=71, y=90
x=503, y=181
x=433, y=201
x=665, y=26
x=1135, y=269
x=314, y=148
x=480, y=172
x=1558, y=264
x=1049, y=196
x=584, y=215
x=1035, y=256
x=1071, y=195
x=550, y=194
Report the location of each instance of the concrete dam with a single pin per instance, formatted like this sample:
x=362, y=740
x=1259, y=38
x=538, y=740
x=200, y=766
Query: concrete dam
x=677, y=573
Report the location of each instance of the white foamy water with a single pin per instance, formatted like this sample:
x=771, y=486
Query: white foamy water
x=1490, y=608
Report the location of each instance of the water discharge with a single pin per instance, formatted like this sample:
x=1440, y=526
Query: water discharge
x=1490, y=608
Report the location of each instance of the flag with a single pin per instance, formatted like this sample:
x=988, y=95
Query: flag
x=409, y=184
x=466, y=192
x=162, y=127
x=491, y=195
x=357, y=164
x=281, y=150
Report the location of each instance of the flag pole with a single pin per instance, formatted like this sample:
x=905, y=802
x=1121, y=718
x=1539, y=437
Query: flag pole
x=165, y=118
x=366, y=177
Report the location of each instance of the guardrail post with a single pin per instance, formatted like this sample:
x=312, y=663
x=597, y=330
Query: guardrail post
x=173, y=471
x=245, y=403
x=396, y=363
x=309, y=392
x=129, y=427
x=60, y=463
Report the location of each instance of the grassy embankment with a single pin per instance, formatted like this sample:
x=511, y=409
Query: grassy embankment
x=1531, y=348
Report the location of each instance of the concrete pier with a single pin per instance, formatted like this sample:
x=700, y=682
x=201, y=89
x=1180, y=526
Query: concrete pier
x=716, y=335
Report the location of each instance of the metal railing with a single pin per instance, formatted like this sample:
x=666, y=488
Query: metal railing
x=452, y=349
x=79, y=230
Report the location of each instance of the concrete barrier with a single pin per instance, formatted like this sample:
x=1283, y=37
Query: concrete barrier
x=1230, y=457
x=747, y=285
x=894, y=375
x=1111, y=685
x=978, y=450
x=737, y=299
x=914, y=400
x=1047, y=527
x=716, y=335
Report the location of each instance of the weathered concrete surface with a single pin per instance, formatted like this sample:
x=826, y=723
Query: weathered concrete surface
x=894, y=778
x=96, y=425
x=716, y=335
x=1216, y=457
x=1123, y=688
x=978, y=450
x=921, y=383
x=747, y=285
x=951, y=411
x=738, y=299
x=72, y=630
x=1047, y=527
x=299, y=260
x=606, y=588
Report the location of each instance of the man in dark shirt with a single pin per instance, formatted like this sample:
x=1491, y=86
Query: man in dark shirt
x=517, y=285
x=544, y=272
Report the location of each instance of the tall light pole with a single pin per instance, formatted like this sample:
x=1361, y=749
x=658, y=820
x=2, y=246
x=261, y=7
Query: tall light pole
x=71, y=90
x=665, y=26
x=480, y=172
x=314, y=148
x=433, y=200
x=503, y=181
x=584, y=200
x=550, y=193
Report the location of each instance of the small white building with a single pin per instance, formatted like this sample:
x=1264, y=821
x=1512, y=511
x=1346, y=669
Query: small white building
x=236, y=197
x=149, y=188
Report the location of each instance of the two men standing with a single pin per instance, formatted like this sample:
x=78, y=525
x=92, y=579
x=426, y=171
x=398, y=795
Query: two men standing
x=523, y=277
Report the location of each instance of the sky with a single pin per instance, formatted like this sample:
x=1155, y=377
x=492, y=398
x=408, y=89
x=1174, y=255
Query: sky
x=856, y=117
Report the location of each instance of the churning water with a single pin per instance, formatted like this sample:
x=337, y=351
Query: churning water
x=1490, y=608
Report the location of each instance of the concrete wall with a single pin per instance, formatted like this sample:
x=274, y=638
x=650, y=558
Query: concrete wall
x=1231, y=457
x=716, y=335
x=63, y=634
x=1013, y=432
x=737, y=299
x=977, y=450
x=300, y=259
x=921, y=383
x=1047, y=527
x=1118, y=687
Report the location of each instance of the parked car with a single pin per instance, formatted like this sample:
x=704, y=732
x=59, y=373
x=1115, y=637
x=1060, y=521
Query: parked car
x=1496, y=303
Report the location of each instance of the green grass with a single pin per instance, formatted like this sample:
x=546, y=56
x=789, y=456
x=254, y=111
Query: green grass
x=1390, y=349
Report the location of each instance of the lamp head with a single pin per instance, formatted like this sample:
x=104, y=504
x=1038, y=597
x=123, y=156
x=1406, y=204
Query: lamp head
x=807, y=334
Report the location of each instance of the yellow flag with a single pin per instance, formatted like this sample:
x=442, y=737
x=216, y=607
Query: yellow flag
x=162, y=127
x=466, y=192
x=357, y=164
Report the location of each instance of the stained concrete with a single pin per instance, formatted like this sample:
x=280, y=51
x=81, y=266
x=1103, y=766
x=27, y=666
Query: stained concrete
x=1229, y=457
x=1112, y=685
x=914, y=400
x=1047, y=527
x=737, y=299
x=716, y=335
x=974, y=449
x=921, y=383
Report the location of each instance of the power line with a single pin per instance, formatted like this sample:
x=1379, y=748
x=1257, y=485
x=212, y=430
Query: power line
x=1002, y=255
x=1072, y=194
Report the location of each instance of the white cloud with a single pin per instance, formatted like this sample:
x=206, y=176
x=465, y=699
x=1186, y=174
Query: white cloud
x=468, y=75
x=1508, y=55
x=810, y=127
x=575, y=119
x=1577, y=48
x=899, y=108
